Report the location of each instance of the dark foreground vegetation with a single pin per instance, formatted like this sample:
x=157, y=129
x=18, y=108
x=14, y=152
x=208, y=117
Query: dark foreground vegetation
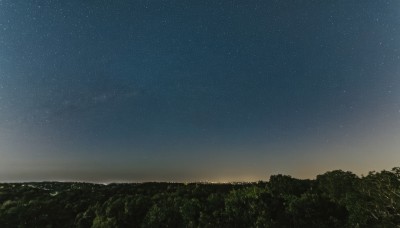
x=333, y=199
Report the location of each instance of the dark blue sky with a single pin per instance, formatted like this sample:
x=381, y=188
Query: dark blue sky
x=197, y=90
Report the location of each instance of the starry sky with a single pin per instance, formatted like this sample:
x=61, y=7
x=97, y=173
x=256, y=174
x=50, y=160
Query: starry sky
x=152, y=90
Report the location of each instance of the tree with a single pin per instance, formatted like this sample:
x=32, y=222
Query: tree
x=380, y=194
x=337, y=185
x=280, y=185
x=249, y=207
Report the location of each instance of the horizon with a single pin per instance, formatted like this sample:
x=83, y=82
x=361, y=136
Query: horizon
x=169, y=182
x=359, y=175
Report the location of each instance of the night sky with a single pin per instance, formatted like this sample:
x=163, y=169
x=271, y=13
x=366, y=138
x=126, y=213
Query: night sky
x=102, y=90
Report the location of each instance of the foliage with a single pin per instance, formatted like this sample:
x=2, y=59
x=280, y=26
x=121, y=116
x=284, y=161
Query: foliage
x=334, y=199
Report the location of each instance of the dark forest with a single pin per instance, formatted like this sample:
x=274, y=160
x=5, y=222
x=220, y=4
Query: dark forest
x=333, y=199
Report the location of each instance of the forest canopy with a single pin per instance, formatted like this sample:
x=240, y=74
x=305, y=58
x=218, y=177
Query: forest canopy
x=333, y=199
